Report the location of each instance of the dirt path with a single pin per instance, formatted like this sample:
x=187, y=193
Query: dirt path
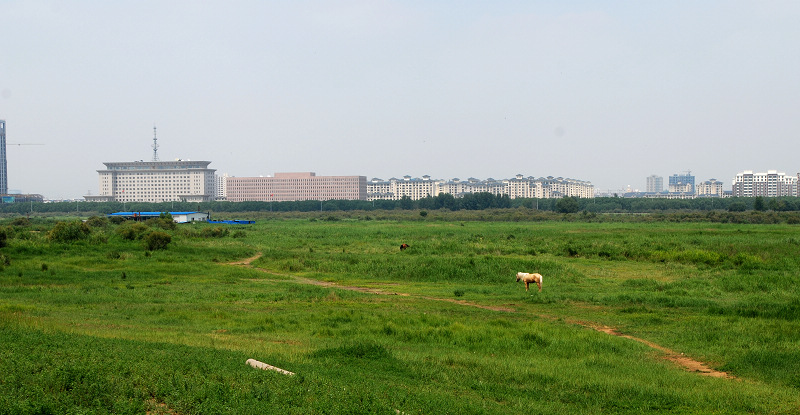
x=669, y=354
x=679, y=359
x=246, y=261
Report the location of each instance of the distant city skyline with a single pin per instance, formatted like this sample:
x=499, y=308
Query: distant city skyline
x=606, y=91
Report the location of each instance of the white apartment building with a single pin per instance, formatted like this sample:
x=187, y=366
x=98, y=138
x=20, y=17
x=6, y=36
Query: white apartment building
x=769, y=184
x=415, y=189
x=156, y=181
x=711, y=187
x=456, y=186
x=561, y=187
x=655, y=184
x=378, y=189
x=687, y=188
x=518, y=187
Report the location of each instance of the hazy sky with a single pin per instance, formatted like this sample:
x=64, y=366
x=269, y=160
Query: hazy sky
x=604, y=91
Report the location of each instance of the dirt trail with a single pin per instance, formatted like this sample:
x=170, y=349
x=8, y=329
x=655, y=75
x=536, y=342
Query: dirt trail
x=246, y=261
x=680, y=359
x=669, y=354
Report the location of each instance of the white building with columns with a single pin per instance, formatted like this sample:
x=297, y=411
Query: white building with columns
x=155, y=181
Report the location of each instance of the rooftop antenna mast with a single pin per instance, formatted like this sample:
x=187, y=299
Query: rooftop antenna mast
x=155, y=145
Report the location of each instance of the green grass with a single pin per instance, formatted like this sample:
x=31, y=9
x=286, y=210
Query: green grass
x=102, y=325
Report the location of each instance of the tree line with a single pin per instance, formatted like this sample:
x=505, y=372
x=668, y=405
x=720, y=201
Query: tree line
x=474, y=201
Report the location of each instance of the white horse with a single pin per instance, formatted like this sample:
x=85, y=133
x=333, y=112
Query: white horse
x=529, y=278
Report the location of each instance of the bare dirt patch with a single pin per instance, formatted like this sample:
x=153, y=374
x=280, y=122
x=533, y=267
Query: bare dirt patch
x=159, y=408
x=679, y=359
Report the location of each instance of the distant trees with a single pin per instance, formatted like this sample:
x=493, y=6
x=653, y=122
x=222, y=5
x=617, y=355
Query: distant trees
x=567, y=204
x=472, y=201
x=737, y=207
x=758, y=204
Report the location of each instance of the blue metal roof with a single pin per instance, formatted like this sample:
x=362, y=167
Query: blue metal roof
x=149, y=213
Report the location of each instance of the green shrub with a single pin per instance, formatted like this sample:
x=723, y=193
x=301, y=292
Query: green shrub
x=23, y=221
x=215, y=232
x=69, y=232
x=98, y=238
x=116, y=220
x=132, y=230
x=157, y=240
x=3, y=237
x=97, y=221
x=164, y=221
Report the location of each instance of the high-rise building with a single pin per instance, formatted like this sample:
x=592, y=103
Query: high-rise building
x=769, y=184
x=681, y=183
x=655, y=184
x=221, y=186
x=3, y=162
x=711, y=187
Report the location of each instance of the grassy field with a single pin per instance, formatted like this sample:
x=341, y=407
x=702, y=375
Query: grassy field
x=101, y=324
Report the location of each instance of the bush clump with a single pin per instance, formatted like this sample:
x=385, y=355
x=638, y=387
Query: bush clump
x=132, y=230
x=215, y=232
x=3, y=237
x=21, y=221
x=116, y=220
x=163, y=221
x=157, y=240
x=97, y=221
x=69, y=232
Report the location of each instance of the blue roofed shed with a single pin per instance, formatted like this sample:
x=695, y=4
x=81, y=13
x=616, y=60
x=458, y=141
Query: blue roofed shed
x=178, y=217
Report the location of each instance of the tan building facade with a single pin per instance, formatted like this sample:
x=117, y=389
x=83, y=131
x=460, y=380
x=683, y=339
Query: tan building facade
x=289, y=187
x=156, y=181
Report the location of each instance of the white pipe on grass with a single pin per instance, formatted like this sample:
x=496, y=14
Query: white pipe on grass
x=263, y=366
